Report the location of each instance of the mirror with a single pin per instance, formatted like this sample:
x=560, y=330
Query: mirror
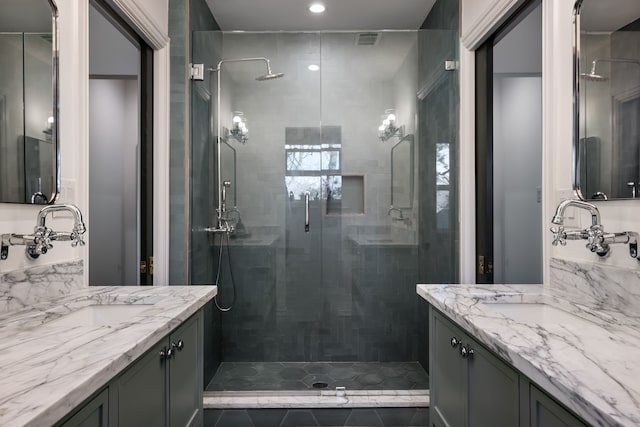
x=228, y=172
x=402, y=173
x=29, y=116
x=606, y=146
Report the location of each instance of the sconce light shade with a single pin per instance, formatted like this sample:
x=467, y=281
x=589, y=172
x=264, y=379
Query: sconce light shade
x=388, y=128
x=239, y=128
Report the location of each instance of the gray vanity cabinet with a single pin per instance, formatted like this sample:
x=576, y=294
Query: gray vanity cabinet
x=95, y=413
x=469, y=386
x=141, y=391
x=447, y=372
x=545, y=412
x=185, y=382
x=163, y=388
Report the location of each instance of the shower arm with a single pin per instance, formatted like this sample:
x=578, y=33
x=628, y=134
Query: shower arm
x=220, y=216
x=616, y=60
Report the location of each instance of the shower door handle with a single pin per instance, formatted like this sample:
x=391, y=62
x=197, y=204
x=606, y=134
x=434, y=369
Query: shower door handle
x=306, y=211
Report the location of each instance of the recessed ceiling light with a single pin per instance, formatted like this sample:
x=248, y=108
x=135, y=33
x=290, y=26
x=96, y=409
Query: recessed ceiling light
x=313, y=67
x=317, y=8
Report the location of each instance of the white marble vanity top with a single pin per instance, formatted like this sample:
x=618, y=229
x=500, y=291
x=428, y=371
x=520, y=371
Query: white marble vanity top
x=56, y=354
x=581, y=354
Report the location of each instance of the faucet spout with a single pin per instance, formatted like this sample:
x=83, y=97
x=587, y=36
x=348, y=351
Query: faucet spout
x=77, y=215
x=558, y=217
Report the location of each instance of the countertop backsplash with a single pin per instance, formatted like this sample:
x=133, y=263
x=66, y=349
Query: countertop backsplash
x=26, y=287
x=614, y=288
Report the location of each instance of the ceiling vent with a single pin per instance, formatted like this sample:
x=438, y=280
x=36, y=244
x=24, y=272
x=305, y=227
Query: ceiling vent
x=367, y=39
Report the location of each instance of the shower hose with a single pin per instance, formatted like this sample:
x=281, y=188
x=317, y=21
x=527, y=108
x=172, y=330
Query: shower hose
x=233, y=282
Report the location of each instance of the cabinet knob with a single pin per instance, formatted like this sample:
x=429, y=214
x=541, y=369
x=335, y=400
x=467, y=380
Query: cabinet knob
x=163, y=354
x=466, y=352
x=178, y=346
x=455, y=342
x=170, y=353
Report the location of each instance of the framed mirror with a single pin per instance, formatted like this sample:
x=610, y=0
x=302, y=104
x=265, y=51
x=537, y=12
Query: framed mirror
x=402, y=173
x=606, y=75
x=29, y=113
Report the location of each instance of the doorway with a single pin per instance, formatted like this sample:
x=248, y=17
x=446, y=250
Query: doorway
x=120, y=152
x=509, y=151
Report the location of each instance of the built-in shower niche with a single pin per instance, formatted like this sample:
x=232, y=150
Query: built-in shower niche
x=349, y=199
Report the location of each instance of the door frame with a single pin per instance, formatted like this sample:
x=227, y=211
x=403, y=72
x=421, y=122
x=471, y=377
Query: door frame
x=484, y=253
x=154, y=32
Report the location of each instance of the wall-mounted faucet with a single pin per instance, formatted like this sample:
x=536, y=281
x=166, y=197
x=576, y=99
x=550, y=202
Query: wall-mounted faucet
x=597, y=240
x=400, y=217
x=39, y=242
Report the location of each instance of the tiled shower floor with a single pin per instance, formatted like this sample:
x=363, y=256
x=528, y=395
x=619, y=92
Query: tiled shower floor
x=254, y=376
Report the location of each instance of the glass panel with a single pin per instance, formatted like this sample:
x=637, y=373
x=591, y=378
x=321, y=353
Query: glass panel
x=345, y=290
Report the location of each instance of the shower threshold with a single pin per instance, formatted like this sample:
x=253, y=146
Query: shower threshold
x=316, y=399
x=318, y=385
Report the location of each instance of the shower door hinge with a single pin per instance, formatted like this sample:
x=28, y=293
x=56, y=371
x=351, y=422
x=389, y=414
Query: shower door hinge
x=197, y=71
x=451, y=65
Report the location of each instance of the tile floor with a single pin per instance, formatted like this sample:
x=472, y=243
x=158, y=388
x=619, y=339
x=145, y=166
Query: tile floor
x=278, y=376
x=396, y=417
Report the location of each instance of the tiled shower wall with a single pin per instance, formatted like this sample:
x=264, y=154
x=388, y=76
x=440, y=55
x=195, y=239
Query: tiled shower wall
x=194, y=254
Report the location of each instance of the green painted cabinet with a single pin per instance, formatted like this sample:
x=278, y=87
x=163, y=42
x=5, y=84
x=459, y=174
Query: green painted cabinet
x=141, y=391
x=469, y=386
x=472, y=387
x=94, y=413
x=162, y=388
x=545, y=412
x=184, y=382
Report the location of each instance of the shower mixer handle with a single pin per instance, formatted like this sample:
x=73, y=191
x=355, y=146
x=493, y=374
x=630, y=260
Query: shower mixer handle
x=306, y=211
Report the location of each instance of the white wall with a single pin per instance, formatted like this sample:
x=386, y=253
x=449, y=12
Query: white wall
x=74, y=81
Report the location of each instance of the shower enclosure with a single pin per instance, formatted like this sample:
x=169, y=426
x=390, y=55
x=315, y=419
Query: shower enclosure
x=341, y=190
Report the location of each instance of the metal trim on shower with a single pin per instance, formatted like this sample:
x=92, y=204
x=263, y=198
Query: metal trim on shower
x=221, y=225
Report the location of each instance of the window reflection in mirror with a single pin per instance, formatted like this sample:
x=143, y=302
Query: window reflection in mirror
x=609, y=84
x=28, y=131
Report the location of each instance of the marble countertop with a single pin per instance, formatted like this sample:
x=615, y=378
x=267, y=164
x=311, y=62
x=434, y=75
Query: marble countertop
x=50, y=366
x=582, y=354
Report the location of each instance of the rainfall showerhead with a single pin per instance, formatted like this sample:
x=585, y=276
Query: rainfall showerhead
x=592, y=77
x=269, y=76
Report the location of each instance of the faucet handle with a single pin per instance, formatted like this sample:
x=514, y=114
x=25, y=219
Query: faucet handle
x=76, y=238
x=559, y=236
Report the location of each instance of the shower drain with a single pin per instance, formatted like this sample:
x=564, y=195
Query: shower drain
x=320, y=385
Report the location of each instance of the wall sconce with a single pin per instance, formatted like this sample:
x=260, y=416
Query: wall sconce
x=239, y=128
x=388, y=129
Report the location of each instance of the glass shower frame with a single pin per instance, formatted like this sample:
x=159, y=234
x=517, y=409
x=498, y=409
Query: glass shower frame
x=345, y=290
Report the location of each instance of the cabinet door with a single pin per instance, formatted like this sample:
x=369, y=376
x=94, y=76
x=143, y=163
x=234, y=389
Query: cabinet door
x=185, y=375
x=493, y=390
x=447, y=374
x=93, y=414
x=545, y=412
x=141, y=391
